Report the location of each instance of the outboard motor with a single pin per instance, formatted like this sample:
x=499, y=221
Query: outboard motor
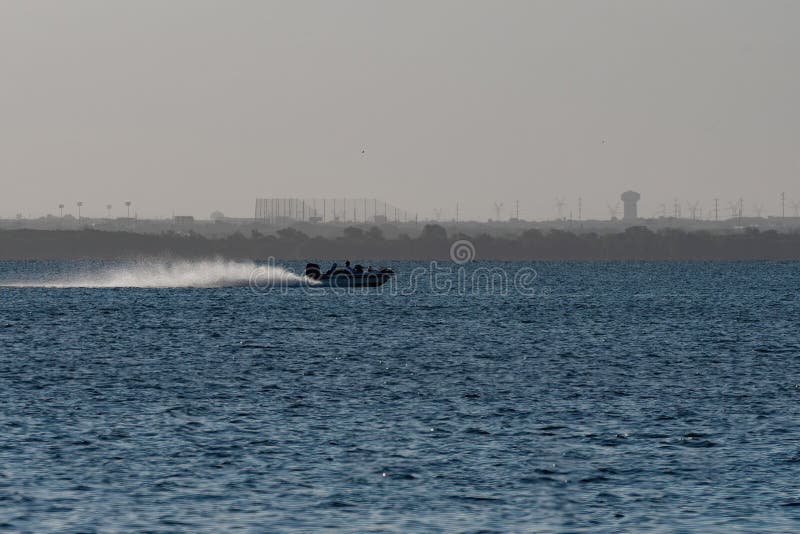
x=313, y=271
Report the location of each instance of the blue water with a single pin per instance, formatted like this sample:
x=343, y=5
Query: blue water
x=627, y=397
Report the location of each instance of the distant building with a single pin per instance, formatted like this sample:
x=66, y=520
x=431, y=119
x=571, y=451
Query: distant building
x=629, y=200
x=286, y=211
x=183, y=219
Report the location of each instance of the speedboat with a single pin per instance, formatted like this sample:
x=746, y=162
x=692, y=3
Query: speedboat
x=341, y=277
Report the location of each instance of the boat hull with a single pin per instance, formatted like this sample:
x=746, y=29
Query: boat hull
x=353, y=280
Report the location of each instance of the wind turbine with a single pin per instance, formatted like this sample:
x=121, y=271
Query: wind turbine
x=613, y=211
x=61, y=210
x=497, y=207
x=560, y=203
x=693, y=209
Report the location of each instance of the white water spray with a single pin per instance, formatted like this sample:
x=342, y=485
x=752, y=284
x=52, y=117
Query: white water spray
x=168, y=274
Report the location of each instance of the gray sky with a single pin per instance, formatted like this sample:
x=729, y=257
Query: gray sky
x=191, y=106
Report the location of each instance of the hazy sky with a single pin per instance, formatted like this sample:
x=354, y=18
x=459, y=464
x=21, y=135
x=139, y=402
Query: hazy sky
x=189, y=106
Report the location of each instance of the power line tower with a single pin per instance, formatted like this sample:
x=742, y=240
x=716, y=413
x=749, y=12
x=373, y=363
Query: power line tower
x=128, y=205
x=108, y=210
x=80, y=205
x=613, y=211
x=758, y=209
x=716, y=209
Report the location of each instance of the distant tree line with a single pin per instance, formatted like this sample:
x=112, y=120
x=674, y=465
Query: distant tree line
x=635, y=243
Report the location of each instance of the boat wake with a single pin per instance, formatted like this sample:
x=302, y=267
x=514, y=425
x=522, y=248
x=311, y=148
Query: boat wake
x=173, y=274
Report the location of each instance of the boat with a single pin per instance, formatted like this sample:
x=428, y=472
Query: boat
x=343, y=277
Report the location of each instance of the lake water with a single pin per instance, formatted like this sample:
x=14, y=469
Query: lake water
x=582, y=397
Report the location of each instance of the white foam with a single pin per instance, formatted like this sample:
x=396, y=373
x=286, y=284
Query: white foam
x=167, y=274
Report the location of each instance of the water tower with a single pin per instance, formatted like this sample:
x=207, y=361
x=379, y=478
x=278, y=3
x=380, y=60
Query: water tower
x=629, y=200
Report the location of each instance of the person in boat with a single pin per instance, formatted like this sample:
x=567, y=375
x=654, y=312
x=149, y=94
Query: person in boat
x=333, y=268
x=347, y=266
x=358, y=269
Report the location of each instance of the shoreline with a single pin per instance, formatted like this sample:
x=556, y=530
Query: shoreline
x=634, y=244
